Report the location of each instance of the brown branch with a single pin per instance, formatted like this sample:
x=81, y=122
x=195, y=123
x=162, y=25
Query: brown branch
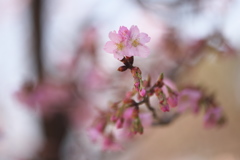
x=37, y=38
x=54, y=126
x=154, y=114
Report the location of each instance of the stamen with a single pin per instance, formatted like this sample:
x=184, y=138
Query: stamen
x=135, y=43
x=120, y=46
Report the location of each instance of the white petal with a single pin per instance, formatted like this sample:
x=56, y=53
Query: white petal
x=115, y=37
x=118, y=56
x=110, y=47
x=143, y=51
x=134, y=32
x=144, y=38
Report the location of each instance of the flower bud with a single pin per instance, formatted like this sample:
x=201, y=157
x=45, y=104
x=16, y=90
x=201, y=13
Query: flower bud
x=119, y=123
x=122, y=68
x=172, y=100
x=142, y=92
x=113, y=118
x=165, y=108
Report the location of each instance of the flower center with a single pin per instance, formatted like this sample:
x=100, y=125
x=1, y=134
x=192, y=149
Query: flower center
x=120, y=46
x=135, y=43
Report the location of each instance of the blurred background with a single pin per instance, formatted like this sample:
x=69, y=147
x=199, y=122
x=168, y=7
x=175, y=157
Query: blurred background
x=55, y=73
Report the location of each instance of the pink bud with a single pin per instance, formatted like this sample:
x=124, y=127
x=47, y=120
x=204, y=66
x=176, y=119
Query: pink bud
x=113, y=118
x=212, y=117
x=119, y=123
x=137, y=84
x=142, y=92
x=165, y=108
x=110, y=144
x=128, y=113
x=172, y=100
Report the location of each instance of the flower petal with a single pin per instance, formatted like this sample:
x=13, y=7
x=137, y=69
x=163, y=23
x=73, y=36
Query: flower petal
x=124, y=32
x=110, y=47
x=144, y=38
x=134, y=32
x=115, y=37
x=118, y=55
x=143, y=51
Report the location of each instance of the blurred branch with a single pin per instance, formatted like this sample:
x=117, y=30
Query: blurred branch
x=54, y=126
x=37, y=40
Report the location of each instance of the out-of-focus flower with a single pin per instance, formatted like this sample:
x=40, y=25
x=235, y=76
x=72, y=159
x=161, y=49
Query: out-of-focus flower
x=44, y=96
x=146, y=119
x=96, y=132
x=119, y=123
x=165, y=108
x=189, y=99
x=172, y=100
x=170, y=90
x=168, y=84
x=110, y=145
x=142, y=92
x=128, y=113
x=127, y=43
x=213, y=117
x=95, y=78
x=89, y=40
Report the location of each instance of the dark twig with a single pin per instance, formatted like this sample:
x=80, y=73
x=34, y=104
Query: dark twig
x=154, y=114
x=37, y=36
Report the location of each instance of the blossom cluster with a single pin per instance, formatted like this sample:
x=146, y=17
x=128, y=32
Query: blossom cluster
x=122, y=121
x=126, y=115
x=127, y=42
x=44, y=95
x=195, y=100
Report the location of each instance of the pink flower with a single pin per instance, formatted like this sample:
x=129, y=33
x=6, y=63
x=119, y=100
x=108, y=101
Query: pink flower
x=124, y=134
x=172, y=100
x=127, y=43
x=137, y=85
x=128, y=113
x=119, y=123
x=142, y=92
x=170, y=84
x=137, y=42
x=124, y=32
x=96, y=132
x=212, y=117
x=117, y=45
x=189, y=99
x=165, y=108
x=113, y=118
x=110, y=144
x=95, y=78
x=44, y=96
x=146, y=119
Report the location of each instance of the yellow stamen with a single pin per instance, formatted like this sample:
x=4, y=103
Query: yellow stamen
x=119, y=46
x=135, y=43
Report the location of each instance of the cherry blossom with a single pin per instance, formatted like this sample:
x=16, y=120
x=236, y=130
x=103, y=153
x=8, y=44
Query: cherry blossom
x=189, y=99
x=213, y=117
x=127, y=43
x=137, y=42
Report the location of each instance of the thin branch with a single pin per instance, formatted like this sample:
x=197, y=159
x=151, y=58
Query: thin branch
x=37, y=38
x=154, y=114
